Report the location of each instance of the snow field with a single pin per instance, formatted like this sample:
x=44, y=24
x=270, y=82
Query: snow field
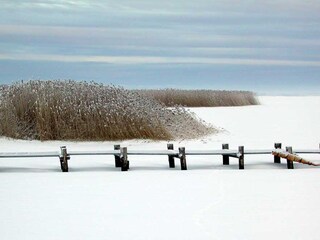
x=150, y=201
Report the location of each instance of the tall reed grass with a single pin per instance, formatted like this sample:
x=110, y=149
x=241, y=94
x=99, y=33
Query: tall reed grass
x=200, y=98
x=72, y=110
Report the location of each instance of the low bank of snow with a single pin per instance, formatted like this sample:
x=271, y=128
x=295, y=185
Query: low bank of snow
x=150, y=201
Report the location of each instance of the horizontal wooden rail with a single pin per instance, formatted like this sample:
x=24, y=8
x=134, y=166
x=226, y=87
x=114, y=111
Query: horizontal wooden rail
x=153, y=152
x=28, y=154
x=258, y=151
x=89, y=153
x=307, y=151
x=121, y=154
x=212, y=152
x=148, y=152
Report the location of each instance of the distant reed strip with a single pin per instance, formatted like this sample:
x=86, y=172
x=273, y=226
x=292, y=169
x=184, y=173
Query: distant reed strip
x=73, y=110
x=200, y=98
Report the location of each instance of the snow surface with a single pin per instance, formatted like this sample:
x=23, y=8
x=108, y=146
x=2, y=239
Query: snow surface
x=150, y=201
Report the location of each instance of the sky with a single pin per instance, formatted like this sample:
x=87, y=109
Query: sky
x=270, y=47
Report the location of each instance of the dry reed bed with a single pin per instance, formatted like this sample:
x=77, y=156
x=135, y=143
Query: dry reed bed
x=200, y=98
x=72, y=110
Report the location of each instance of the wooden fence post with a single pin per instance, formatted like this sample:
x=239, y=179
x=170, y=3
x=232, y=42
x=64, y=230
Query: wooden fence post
x=117, y=159
x=289, y=163
x=241, y=157
x=225, y=157
x=124, y=159
x=64, y=159
x=183, y=160
x=170, y=157
x=277, y=159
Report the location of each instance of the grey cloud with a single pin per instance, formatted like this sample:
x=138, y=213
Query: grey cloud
x=144, y=37
x=177, y=6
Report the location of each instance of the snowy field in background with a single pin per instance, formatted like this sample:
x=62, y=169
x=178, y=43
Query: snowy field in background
x=150, y=201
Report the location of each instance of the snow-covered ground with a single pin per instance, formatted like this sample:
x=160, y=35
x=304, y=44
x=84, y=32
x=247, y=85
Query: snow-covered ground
x=150, y=201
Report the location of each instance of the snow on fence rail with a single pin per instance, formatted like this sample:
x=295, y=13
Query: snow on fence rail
x=121, y=155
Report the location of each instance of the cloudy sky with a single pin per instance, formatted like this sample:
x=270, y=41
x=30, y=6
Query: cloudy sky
x=271, y=47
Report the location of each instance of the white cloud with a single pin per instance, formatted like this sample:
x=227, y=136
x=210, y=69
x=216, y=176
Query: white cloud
x=158, y=60
x=45, y=4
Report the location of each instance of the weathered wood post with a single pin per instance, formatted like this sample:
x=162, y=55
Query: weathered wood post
x=170, y=157
x=117, y=160
x=241, y=157
x=64, y=157
x=225, y=157
x=183, y=160
x=277, y=159
x=289, y=163
x=124, y=159
x=61, y=158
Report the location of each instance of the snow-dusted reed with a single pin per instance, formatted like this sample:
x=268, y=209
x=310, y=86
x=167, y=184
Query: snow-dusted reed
x=72, y=110
x=201, y=98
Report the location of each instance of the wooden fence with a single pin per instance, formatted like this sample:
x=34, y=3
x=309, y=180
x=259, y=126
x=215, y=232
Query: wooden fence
x=122, y=161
